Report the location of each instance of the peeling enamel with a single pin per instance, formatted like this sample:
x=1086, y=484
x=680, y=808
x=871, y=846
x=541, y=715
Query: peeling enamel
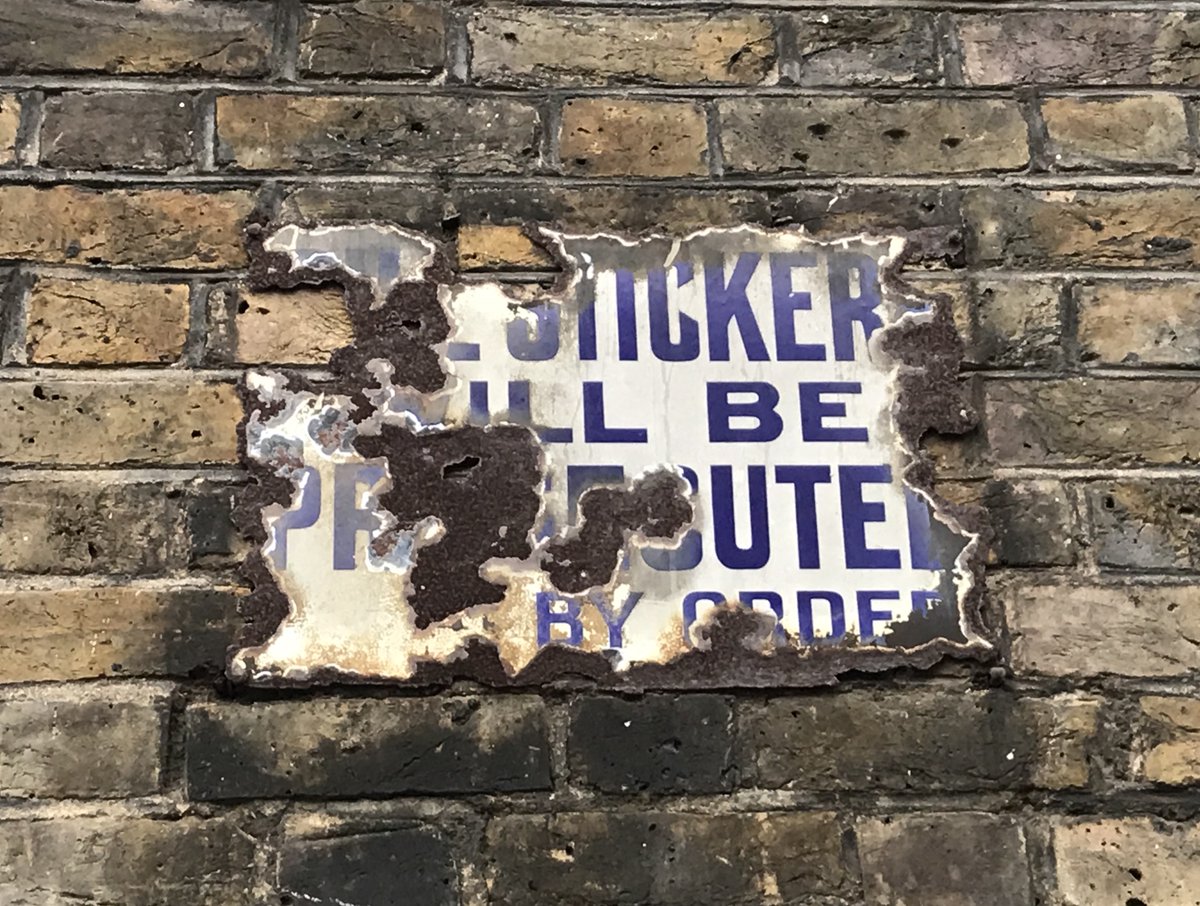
x=358, y=622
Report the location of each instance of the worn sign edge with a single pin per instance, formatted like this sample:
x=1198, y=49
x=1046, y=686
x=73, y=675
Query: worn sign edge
x=931, y=399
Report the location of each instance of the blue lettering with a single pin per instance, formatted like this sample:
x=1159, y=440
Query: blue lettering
x=548, y=615
x=627, y=341
x=787, y=302
x=689, y=609
x=920, y=533
x=856, y=513
x=721, y=410
x=803, y=480
x=661, y=344
x=868, y=616
x=837, y=614
x=348, y=519
x=814, y=411
x=728, y=302
x=848, y=310
x=756, y=554
x=536, y=344
x=308, y=509
x=615, y=620
x=595, y=431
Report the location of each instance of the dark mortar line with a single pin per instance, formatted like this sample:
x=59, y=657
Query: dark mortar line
x=285, y=46
x=29, y=128
x=784, y=182
x=712, y=131
x=949, y=50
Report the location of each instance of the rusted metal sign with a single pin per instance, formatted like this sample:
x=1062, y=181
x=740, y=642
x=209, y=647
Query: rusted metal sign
x=694, y=461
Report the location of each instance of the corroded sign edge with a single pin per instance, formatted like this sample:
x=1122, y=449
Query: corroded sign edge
x=929, y=397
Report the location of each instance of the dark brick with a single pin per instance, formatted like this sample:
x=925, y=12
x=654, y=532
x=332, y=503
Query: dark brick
x=372, y=38
x=661, y=743
x=1092, y=421
x=1034, y=520
x=914, y=740
x=401, y=866
x=356, y=747
x=1142, y=524
x=419, y=133
x=113, y=131
x=634, y=209
x=125, y=859
x=210, y=525
x=862, y=47
x=664, y=858
x=76, y=526
x=967, y=859
x=215, y=38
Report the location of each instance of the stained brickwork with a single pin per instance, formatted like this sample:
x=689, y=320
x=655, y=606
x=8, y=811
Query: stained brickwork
x=1040, y=158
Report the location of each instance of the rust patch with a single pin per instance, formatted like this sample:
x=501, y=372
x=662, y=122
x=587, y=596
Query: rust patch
x=476, y=480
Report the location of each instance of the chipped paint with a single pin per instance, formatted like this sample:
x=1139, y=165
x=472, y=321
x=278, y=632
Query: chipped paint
x=579, y=482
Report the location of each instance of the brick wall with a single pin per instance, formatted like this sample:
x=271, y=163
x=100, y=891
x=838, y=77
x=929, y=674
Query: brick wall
x=1040, y=159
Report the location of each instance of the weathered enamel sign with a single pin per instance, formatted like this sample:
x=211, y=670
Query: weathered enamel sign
x=693, y=461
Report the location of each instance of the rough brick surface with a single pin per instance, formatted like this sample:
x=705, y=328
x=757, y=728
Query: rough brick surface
x=663, y=857
x=1170, y=740
x=372, y=38
x=148, y=228
x=77, y=526
x=633, y=138
x=863, y=47
x=129, y=860
x=511, y=45
x=409, y=132
x=1095, y=134
x=1089, y=421
x=1090, y=630
x=1124, y=860
x=111, y=130
x=1079, y=47
x=115, y=630
x=230, y=38
x=42, y=725
x=854, y=136
x=407, y=864
x=913, y=739
x=970, y=859
x=1152, y=227
x=10, y=122
x=1033, y=520
x=94, y=321
x=301, y=327
x=147, y=422
x=486, y=246
x=1131, y=322
x=1146, y=524
x=1038, y=164
x=1015, y=323
x=658, y=744
x=368, y=746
